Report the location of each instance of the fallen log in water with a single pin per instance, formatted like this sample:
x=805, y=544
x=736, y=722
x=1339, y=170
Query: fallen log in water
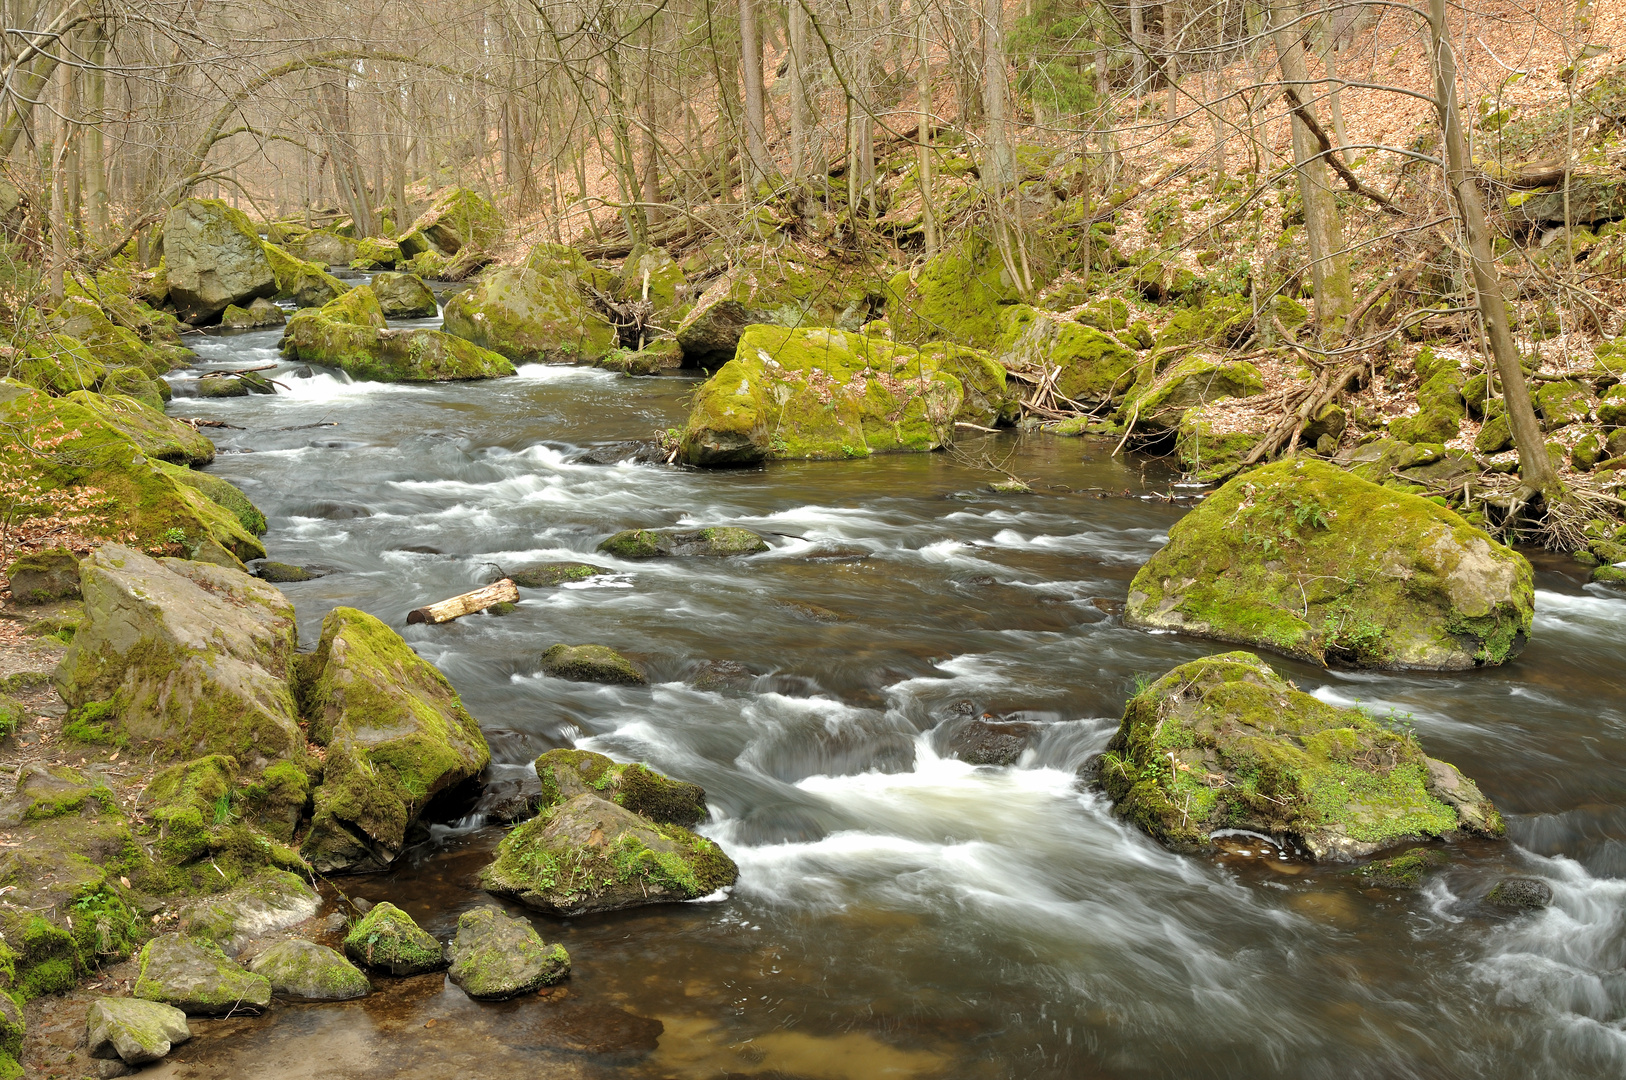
x=501, y=592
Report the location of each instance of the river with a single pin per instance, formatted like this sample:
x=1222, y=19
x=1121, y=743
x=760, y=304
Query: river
x=900, y=913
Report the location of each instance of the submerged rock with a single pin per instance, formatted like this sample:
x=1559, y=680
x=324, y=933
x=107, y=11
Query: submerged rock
x=1225, y=742
x=198, y=978
x=550, y=574
x=213, y=257
x=386, y=939
x=307, y=971
x=496, y=956
x=1404, y=871
x=132, y=1030
x=588, y=854
x=1520, y=894
x=564, y=774
x=591, y=663
x=1305, y=559
x=818, y=393
x=718, y=542
x=536, y=312
x=188, y=658
x=396, y=734
x=404, y=296
x=44, y=577
x=773, y=292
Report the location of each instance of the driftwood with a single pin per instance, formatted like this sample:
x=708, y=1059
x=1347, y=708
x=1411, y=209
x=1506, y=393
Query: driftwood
x=500, y=592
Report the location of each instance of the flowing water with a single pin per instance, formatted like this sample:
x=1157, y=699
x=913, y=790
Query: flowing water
x=900, y=913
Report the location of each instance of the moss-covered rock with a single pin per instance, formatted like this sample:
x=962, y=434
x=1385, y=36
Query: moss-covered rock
x=96, y=452
x=652, y=274
x=13, y=1026
x=1156, y=402
x=265, y=902
x=55, y=363
x=133, y=1031
x=1305, y=559
x=305, y=971
x=1095, y=366
x=213, y=257
x=45, y=792
x=386, y=939
x=1224, y=320
x=587, y=854
x=261, y=312
x=1612, y=407
x=820, y=393
x=1226, y=743
x=183, y=658
x=44, y=577
x=1495, y=436
x=564, y=774
x=1211, y=445
x=396, y=734
x=989, y=398
x=1563, y=403
x=536, y=312
x=591, y=663
x=404, y=296
x=495, y=956
x=133, y=382
x=375, y=253
x=778, y=292
x=722, y=541
x=85, y=321
x=197, y=978
x=551, y=574
x=350, y=333
x=457, y=218
x=305, y=283
x=325, y=247
x=1440, y=404
x=279, y=573
x=222, y=493
x=1520, y=894
x=956, y=296
x=1404, y=871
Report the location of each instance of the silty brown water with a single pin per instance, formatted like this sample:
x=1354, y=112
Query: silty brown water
x=901, y=913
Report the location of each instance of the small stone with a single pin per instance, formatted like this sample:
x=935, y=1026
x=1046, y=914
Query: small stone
x=495, y=956
x=388, y=940
x=44, y=576
x=1520, y=894
x=281, y=573
x=988, y=740
x=106, y=1070
x=198, y=978
x=591, y=663
x=310, y=972
x=132, y=1030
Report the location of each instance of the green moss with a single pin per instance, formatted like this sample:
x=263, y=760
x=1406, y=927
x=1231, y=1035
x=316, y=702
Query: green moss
x=350, y=334
x=1440, y=403
x=1404, y=871
x=386, y=938
x=1095, y=366
x=1157, y=401
x=565, y=773
x=540, y=577
x=534, y=313
x=188, y=802
x=591, y=663
x=305, y=283
x=222, y=493
x=94, y=723
x=955, y=297
x=1223, y=319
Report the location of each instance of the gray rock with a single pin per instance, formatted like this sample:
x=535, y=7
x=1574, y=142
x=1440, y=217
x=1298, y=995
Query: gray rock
x=42, y=577
x=988, y=740
x=404, y=296
x=133, y=1030
x=213, y=258
x=387, y=939
x=591, y=663
x=550, y=574
x=310, y=972
x=495, y=956
x=180, y=645
x=106, y=1070
x=198, y=978
x=1520, y=894
x=272, y=900
x=327, y=248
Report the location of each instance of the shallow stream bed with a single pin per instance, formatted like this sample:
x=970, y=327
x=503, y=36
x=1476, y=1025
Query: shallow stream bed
x=899, y=913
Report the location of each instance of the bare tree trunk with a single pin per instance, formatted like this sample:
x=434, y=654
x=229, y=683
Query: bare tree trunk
x=1001, y=163
x=1323, y=226
x=59, y=216
x=1535, y=469
x=756, y=128
x=798, y=90
x=923, y=104
x=1137, y=40
x=95, y=143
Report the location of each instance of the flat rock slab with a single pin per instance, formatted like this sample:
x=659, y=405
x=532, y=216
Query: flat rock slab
x=132, y=1030
x=496, y=956
x=310, y=972
x=198, y=978
x=272, y=900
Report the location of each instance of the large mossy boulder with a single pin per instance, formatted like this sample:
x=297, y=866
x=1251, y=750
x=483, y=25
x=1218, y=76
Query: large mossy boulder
x=956, y=296
x=109, y=462
x=133, y=1031
x=305, y=283
x=536, y=312
x=184, y=658
x=1226, y=743
x=496, y=956
x=1440, y=404
x=396, y=735
x=55, y=363
x=350, y=333
x=587, y=854
x=305, y=971
x=213, y=257
x=198, y=978
x=457, y=218
x=1158, y=400
x=1305, y=559
x=990, y=397
x=1095, y=366
x=404, y=296
x=387, y=939
x=817, y=394
x=85, y=321
x=324, y=246
x=1592, y=198
x=564, y=774
x=777, y=292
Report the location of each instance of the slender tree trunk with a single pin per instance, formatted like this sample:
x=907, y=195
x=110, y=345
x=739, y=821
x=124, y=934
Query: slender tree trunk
x=95, y=143
x=798, y=90
x=1323, y=226
x=923, y=105
x=1535, y=468
x=756, y=129
x=59, y=216
x=1001, y=163
x=650, y=146
x=1137, y=40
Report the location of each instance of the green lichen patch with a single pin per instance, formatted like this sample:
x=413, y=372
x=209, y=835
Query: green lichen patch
x=386, y=939
x=820, y=394
x=396, y=734
x=1302, y=558
x=591, y=663
x=588, y=854
x=1226, y=743
x=638, y=788
x=306, y=971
